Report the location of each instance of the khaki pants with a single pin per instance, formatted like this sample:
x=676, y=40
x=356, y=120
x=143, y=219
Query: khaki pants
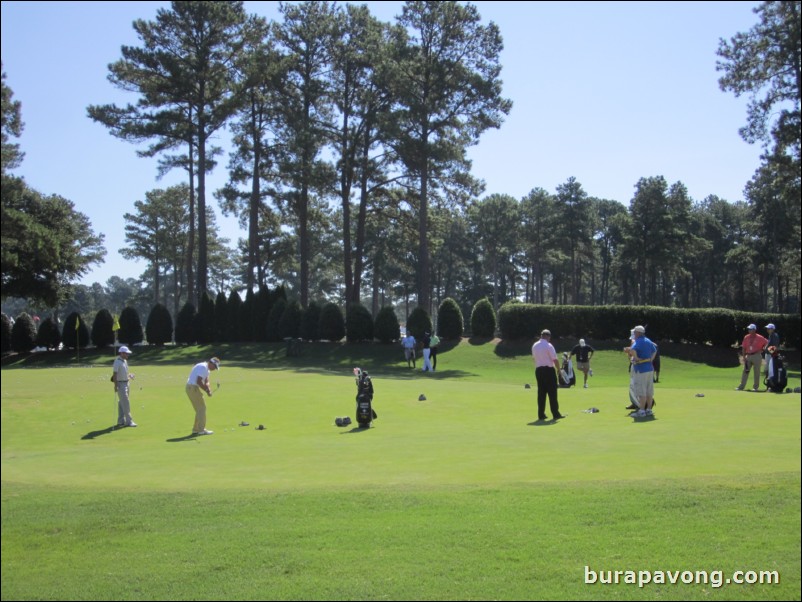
x=196, y=397
x=754, y=362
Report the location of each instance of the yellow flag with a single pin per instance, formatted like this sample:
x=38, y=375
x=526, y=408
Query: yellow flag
x=116, y=326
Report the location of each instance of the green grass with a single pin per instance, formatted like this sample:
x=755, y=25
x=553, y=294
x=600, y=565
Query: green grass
x=460, y=496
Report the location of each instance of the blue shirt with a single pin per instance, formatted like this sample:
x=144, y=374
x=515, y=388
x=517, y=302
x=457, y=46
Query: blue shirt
x=644, y=350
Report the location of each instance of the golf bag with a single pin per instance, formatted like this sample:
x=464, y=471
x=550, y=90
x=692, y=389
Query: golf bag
x=777, y=376
x=365, y=413
x=567, y=377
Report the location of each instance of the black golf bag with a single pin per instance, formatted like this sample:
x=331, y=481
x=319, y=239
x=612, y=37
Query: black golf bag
x=364, y=400
x=776, y=376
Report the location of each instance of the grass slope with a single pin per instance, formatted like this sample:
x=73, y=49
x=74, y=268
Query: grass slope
x=460, y=496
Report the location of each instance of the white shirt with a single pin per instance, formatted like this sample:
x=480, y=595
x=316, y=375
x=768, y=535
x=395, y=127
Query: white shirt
x=120, y=368
x=201, y=371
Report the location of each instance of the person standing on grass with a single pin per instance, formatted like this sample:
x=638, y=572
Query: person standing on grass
x=547, y=366
x=752, y=349
x=120, y=377
x=642, y=352
x=583, y=354
x=409, y=343
x=198, y=382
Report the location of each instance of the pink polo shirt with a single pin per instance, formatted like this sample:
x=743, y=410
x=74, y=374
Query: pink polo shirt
x=544, y=354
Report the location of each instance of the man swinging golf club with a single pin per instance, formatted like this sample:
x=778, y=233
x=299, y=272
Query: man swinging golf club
x=198, y=382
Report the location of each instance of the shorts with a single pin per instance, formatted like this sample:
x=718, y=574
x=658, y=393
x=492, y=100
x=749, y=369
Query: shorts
x=583, y=366
x=643, y=384
x=409, y=353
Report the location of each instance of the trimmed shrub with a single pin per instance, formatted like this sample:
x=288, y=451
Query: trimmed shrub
x=289, y=325
x=332, y=324
x=273, y=328
x=75, y=333
x=483, y=319
x=358, y=324
x=221, y=334
x=159, y=328
x=204, y=320
x=5, y=333
x=233, y=310
x=185, y=325
x=130, y=332
x=23, y=334
x=310, y=323
x=103, y=329
x=386, y=327
x=48, y=335
x=419, y=323
x=450, y=324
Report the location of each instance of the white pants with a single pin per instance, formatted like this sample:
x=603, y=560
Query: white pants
x=427, y=365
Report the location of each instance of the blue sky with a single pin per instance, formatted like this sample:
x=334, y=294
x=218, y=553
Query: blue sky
x=606, y=92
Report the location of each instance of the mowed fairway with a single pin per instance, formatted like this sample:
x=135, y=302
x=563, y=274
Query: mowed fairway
x=458, y=496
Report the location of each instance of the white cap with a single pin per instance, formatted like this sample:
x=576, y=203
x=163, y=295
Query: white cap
x=125, y=349
x=771, y=326
x=751, y=327
x=581, y=342
x=639, y=329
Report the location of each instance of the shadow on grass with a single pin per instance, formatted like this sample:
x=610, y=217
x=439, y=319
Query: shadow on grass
x=549, y=422
x=327, y=358
x=93, y=434
x=357, y=429
x=190, y=437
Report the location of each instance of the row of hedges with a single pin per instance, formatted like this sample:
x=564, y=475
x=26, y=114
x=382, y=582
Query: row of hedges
x=266, y=318
x=717, y=327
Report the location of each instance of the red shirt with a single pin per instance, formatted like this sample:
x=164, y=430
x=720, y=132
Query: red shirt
x=753, y=343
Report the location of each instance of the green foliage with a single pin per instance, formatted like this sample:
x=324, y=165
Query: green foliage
x=73, y=337
x=221, y=332
x=419, y=323
x=159, y=328
x=48, y=335
x=483, y=319
x=103, y=329
x=289, y=325
x=310, y=323
x=5, y=333
x=233, y=311
x=185, y=325
x=273, y=326
x=130, y=332
x=386, y=328
x=332, y=324
x=450, y=324
x=358, y=323
x=204, y=320
x=23, y=334
x=717, y=327
x=46, y=243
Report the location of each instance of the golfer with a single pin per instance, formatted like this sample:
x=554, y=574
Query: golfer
x=546, y=367
x=583, y=353
x=642, y=352
x=198, y=382
x=120, y=377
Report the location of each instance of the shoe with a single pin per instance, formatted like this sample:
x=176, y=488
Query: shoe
x=756, y=388
x=590, y=372
x=635, y=413
x=640, y=413
x=739, y=388
x=586, y=385
x=541, y=418
x=559, y=417
x=649, y=413
x=205, y=432
x=131, y=424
